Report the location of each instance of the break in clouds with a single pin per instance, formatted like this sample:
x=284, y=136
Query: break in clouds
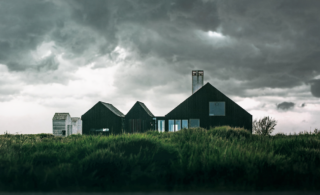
x=247, y=48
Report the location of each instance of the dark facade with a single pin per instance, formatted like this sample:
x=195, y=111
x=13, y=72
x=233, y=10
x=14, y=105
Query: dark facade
x=208, y=107
x=139, y=118
x=103, y=116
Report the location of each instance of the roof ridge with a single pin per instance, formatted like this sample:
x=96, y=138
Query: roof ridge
x=145, y=108
x=202, y=87
x=113, y=109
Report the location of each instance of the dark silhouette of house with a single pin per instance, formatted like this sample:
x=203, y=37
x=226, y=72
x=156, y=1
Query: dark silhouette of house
x=207, y=107
x=103, y=118
x=139, y=118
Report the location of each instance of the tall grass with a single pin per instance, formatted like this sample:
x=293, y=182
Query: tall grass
x=191, y=159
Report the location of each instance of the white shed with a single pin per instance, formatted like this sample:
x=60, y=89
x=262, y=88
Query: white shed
x=76, y=125
x=62, y=125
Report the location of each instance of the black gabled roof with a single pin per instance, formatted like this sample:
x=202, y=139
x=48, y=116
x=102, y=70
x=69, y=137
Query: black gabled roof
x=145, y=108
x=202, y=88
x=112, y=109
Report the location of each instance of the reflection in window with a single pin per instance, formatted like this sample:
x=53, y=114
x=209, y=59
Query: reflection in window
x=161, y=125
x=194, y=123
x=177, y=125
x=171, y=125
x=185, y=124
x=217, y=108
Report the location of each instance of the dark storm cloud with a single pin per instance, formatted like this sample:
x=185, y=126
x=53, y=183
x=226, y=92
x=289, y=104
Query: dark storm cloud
x=263, y=43
x=24, y=26
x=285, y=106
x=315, y=87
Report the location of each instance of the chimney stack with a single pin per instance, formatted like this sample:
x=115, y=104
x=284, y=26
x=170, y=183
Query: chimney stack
x=197, y=80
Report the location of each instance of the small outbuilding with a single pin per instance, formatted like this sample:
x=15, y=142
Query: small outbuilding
x=76, y=125
x=61, y=124
x=139, y=118
x=103, y=118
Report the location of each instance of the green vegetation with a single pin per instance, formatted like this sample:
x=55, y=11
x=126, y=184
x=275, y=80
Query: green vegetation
x=264, y=126
x=222, y=158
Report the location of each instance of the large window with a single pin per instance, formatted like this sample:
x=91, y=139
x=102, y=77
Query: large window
x=217, y=108
x=171, y=125
x=185, y=124
x=194, y=123
x=177, y=125
x=161, y=126
x=174, y=125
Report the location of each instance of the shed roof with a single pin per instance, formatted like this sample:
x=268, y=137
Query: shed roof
x=113, y=109
x=145, y=108
x=60, y=116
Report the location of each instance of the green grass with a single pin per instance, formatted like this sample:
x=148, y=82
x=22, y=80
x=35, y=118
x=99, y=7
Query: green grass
x=222, y=158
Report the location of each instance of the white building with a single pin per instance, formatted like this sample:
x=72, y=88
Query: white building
x=76, y=125
x=64, y=125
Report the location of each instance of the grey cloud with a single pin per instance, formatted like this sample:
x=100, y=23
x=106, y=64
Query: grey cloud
x=267, y=46
x=266, y=43
x=8, y=91
x=24, y=25
x=285, y=106
x=315, y=87
x=46, y=64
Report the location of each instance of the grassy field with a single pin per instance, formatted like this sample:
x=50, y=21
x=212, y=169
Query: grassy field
x=221, y=158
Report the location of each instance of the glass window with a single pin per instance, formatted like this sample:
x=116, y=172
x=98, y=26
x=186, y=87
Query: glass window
x=171, y=125
x=177, y=125
x=161, y=125
x=185, y=124
x=194, y=123
x=217, y=108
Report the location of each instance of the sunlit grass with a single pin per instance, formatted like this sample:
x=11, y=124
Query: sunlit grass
x=191, y=159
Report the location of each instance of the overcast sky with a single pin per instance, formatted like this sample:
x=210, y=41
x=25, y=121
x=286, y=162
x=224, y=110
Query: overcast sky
x=65, y=56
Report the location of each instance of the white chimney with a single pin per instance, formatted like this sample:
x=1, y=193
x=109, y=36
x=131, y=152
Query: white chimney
x=197, y=80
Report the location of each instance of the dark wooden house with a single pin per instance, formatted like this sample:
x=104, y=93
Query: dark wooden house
x=139, y=118
x=103, y=118
x=207, y=107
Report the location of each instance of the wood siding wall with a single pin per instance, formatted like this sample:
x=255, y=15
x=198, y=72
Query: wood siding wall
x=197, y=107
x=99, y=117
x=61, y=125
x=58, y=126
x=137, y=120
